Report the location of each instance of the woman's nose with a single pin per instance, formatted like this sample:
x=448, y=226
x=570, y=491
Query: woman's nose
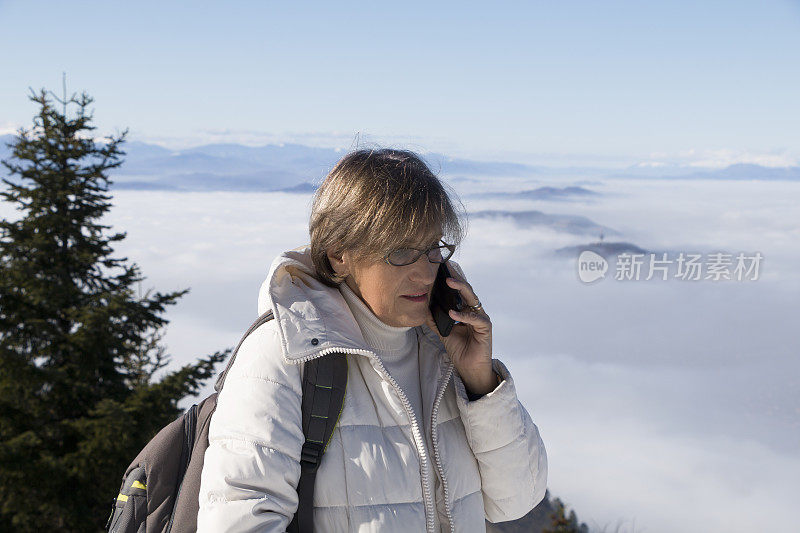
x=425, y=271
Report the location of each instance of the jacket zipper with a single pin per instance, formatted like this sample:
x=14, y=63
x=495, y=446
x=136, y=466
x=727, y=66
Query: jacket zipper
x=434, y=438
x=430, y=505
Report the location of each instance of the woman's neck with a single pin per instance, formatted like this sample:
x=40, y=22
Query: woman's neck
x=377, y=334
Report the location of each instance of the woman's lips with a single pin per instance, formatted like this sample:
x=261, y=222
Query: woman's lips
x=417, y=298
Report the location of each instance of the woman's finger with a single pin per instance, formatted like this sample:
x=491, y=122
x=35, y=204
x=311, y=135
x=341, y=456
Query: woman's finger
x=471, y=317
x=465, y=289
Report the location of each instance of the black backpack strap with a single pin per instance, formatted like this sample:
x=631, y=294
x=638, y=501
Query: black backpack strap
x=266, y=317
x=324, y=386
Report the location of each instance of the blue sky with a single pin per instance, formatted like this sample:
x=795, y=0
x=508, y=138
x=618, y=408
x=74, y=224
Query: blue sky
x=533, y=81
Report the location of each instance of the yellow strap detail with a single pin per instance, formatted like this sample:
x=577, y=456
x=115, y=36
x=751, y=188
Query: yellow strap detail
x=138, y=485
x=122, y=498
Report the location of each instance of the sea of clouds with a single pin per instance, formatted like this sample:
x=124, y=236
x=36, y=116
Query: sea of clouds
x=664, y=405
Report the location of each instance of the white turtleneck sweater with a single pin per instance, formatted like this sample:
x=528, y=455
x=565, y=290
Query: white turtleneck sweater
x=398, y=350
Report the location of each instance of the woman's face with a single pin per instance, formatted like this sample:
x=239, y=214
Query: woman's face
x=383, y=286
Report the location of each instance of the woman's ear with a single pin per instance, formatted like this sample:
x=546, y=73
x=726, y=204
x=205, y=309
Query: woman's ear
x=339, y=263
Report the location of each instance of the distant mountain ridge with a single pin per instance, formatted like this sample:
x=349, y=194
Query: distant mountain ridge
x=737, y=171
x=542, y=193
x=298, y=168
x=234, y=167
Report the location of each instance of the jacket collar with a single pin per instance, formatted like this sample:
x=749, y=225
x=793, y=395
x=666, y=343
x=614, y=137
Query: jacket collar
x=306, y=309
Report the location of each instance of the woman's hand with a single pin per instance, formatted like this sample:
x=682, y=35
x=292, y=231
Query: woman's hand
x=469, y=344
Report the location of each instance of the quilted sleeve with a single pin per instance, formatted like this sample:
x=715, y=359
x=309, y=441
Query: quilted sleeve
x=252, y=463
x=506, y=443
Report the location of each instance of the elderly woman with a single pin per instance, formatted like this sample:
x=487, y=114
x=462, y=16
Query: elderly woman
x=431, y=436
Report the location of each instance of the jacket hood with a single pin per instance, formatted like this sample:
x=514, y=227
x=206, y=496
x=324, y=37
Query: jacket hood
x=311, y=316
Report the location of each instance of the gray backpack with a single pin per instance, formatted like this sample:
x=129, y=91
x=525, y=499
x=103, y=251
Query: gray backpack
x=160, y=488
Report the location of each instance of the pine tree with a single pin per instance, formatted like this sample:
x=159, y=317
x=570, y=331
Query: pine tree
x=78, y=349
x=561, y=523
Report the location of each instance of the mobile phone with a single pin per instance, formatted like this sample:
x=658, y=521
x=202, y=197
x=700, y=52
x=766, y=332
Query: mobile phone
x=444, y=298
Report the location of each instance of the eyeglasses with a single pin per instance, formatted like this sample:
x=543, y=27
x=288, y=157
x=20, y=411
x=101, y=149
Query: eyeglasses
x=438, y=253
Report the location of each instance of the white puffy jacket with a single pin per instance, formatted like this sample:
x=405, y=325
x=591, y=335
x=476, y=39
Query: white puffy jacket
x=376, y=474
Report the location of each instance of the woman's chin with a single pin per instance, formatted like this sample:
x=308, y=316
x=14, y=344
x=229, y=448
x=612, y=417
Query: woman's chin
x=410, y=321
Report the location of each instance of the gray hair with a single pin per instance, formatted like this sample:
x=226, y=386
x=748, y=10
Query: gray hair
x=374, y=201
